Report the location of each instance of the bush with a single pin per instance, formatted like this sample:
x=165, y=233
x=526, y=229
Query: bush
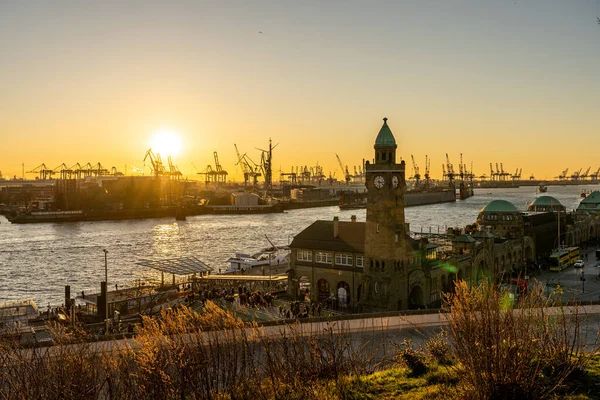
x=413, y=359
x=523, y=350
x=438, y=349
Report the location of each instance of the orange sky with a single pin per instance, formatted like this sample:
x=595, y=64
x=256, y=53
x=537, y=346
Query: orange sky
x=497, y=81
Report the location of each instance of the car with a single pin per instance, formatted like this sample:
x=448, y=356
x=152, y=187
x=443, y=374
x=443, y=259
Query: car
x=579, y=264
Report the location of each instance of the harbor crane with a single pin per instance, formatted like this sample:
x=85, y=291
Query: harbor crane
x=461, y=168
x=217, y=175
x=575, y=176
x=416, y=174
x=344, y=170
x=563, y=175
x=427, y=168
x=266, y=166
x=517, y=174
x=594, y=176
x=174, y=172
x=249, y=168
x=43, y=171
x=450, y=173
x=585, y=174
x=157, y=165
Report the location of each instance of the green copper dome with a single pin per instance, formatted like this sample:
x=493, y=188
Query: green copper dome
x=499, y=206
x=385, y=138
x=591, y=202
x=546, y=201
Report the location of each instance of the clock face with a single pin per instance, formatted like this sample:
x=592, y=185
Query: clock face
x=395, y=181
x=379, y=181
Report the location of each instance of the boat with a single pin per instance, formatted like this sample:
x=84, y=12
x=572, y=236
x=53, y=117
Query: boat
x=47, y=216
x=269, y=257
x=542, y=188
x=584, y=194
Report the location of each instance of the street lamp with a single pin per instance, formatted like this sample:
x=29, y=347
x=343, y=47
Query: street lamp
x=105, y=292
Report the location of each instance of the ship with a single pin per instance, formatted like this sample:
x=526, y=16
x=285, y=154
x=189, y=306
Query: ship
x=269, y=257
x=411, y=198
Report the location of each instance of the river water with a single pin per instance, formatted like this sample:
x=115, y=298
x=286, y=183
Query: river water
x=38, y=260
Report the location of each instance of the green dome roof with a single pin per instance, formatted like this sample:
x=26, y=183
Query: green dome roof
x=501, y=206
x=544, y=201
x=591, y=202
x=385, y=138
x=593, y=197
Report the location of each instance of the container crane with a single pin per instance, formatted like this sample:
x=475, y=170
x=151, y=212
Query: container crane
x=344, y=170
x=63, y=171
x=575, y=176
x=594, y=176
x=43, y=171
x=461, y=169
x=115, y=172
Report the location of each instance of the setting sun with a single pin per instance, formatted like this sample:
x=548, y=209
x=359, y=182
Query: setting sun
x=166, y=142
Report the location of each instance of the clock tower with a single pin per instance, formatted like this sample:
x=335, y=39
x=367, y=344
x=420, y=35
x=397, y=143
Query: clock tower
x=386, y=256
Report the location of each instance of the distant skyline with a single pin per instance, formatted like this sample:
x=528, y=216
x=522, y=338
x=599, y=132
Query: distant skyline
x=499, y=81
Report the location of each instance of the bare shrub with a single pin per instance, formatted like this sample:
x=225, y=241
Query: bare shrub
x=506, y=350
x=412, y=358
x=438, y=349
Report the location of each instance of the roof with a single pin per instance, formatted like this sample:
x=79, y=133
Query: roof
x=591, y=202
x=463, y=239
x=244, y=278
x=319, y=236
x=544, y=201
x=385, y=138
x=501, y=206
x=484, y=234
x=177, y=266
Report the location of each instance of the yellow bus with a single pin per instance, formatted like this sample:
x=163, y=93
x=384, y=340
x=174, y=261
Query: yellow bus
x=574, y=254
x=559, y=260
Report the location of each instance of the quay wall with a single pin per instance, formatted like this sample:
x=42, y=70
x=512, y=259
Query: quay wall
x=423, y=198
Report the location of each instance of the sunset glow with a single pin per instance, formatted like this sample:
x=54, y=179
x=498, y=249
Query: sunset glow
x=166, y=142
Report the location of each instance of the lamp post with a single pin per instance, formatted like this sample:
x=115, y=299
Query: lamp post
x=106, y=291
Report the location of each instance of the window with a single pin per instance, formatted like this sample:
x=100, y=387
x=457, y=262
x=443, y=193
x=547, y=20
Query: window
x=323, y=257
x=343, y=259
x=304, y=255
x=360, y=261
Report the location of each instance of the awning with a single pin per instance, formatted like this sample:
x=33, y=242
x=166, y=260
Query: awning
x=177, y=266
x=242, y=278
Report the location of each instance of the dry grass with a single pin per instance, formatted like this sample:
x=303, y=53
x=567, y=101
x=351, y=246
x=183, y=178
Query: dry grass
x=508, y=350
x=492, y=350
